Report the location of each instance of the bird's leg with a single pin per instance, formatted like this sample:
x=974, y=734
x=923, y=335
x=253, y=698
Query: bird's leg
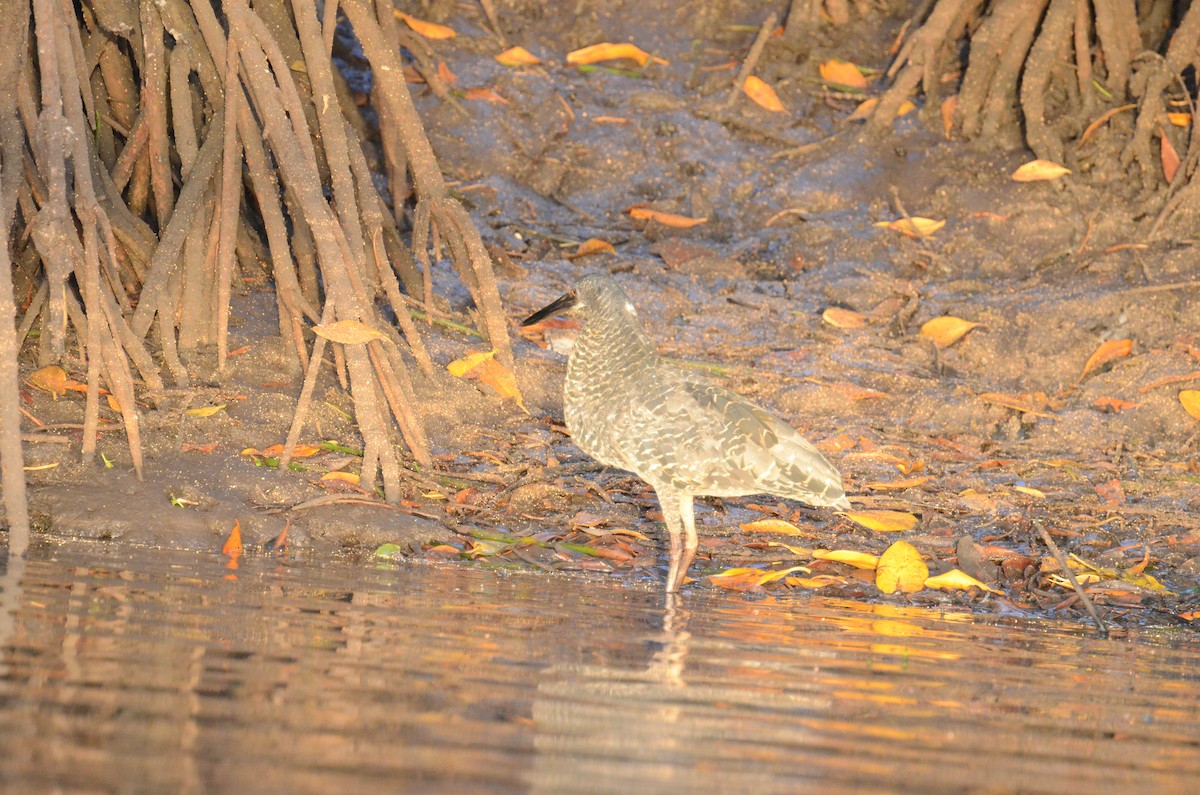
x=690, y=542
x=669, y=501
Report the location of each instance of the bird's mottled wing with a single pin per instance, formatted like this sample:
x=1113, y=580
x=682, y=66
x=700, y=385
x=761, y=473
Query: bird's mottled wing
x=703, y=439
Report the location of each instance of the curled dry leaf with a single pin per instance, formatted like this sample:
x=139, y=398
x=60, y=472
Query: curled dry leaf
x=947, y=330
x=345, y=477
x=913, y=227
x=763, y=95
x=233, y=544
x=606, y=51
x=901, y=568
x=430, y=30
x=1169, y=157
x=348, y=332
x=838, y=317
x=842, y=73
x=593, y=245
x=1107, y=352
x=1039, y=171
x=883, y=521
x=491, y=372
x=1190, y=400
x=518, y=56
x=642, y=213
x=957, y=580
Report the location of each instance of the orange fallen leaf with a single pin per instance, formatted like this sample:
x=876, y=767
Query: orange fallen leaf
x=233, y=544
x=1168, y=155
x=913, y=227
x=484, y=95
x=197, y=448
x=348, y=332
x=946, y=330
x=901, y=568
x=240, y=351
x=956, y=579
x=643, y=213
x=1039, y=171
x=949, y=105
x=593, y=245
x=859, y=560
x=801, y=551
x=606, y=51
x=883, y=521
x=345, y=477
x=1180, y=119
x=1190, y=400
x=448, y=77
x=816, y=581
x=1105, y=116
x=899, y=485
x=864, y=109
x=113, y=403
x=1111, y=492
x=777, y=526
x=1114, y=405
x=518, y=56
x=491, y=372
x=838, y=317
x=430, y=30
x=856, y=392
x=906, y=107
x=54, y=379
x=763, y=95
x=842, y=73
x=1107, y=352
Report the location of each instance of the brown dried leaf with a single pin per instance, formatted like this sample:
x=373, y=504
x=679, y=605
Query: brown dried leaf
x=1111, y=492
x=949, y=104
x=1170, y=158
x=838, y=317
x=52, y=379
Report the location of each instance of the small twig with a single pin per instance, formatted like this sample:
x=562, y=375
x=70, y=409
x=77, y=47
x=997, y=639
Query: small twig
x=900, y=209
x=1087, y=601
x=752, y=57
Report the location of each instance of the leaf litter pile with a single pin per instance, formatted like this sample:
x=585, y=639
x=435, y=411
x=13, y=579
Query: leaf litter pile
x=987, y=368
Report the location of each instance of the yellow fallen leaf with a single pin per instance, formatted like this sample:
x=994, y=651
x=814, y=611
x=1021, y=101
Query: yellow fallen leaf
x=956, y=579
x=838, y=317
x=901, y=568
x=801, y=551
x=592, y=245
x=883, y=521
x=430, y=30
x=899, y=485
x=1039, y=171
x=777, y=526
x=864, y=109
x=1180, y=119
x=518, y=56
x=859, y=560
x=816, y=581
x=1031, y=491
x=491, y=372
x=666, y=219
x=348, y=332
x=946, y=330
x=113, y=403
x=919, y=227
x=1107, y=352
x=742, y=579
x=346, y=477
x=205, y=411
x=606, y=51
x=763, y=95
x=1190, y=399
x=52, y=379
x=842, y=73
x=906, y=107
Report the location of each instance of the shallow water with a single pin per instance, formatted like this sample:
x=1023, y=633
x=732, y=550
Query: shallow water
x=146, y=671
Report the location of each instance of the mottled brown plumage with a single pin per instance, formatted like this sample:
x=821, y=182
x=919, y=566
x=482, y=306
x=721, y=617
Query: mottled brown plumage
x=627, y=407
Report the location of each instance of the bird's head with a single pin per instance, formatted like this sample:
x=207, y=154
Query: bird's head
x=595, y=297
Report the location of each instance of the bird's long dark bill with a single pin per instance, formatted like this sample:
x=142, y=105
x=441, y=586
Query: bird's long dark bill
x=561, y=304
